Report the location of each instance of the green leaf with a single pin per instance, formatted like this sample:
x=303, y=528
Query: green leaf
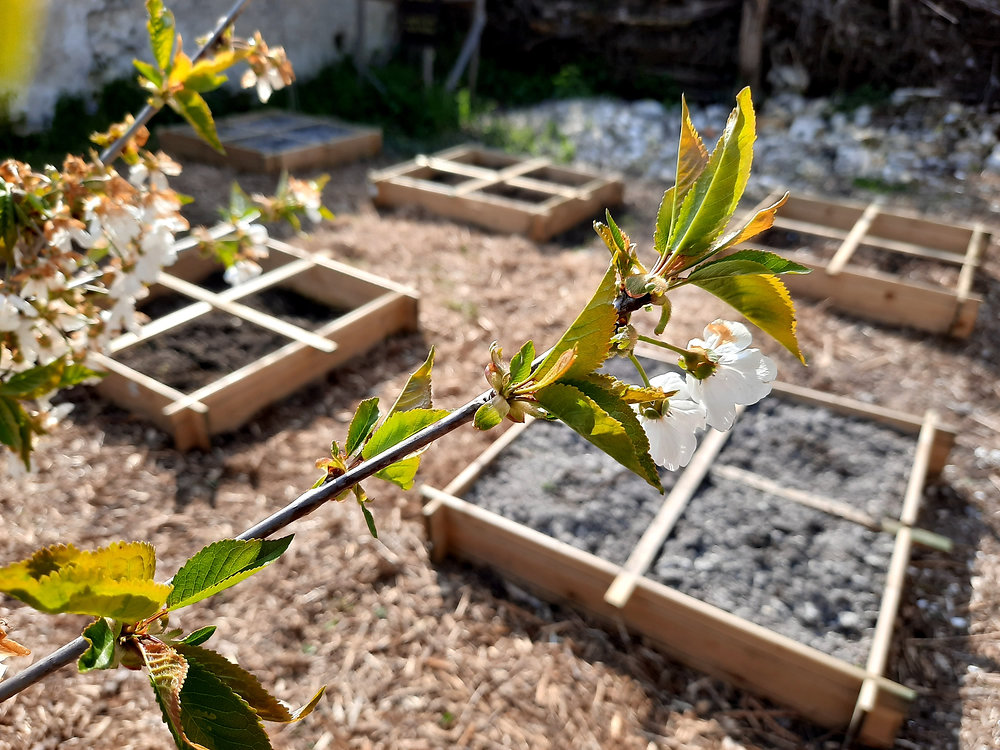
x=490, y=414
x=621, y=243
x=399, y=426
x=161, y=32
x=692, y=158
x=370, y=520
x=194, y=109
x=711, y=201
x=590, y=333
x=244, y=684
x=35, y=382
x=770, y=262
x=416, y=394
x=75, y=373
x=204, y=76
x=361, y=424
x=8, y=222
x=199, y=636
x=764, y=301
x=12, y=416
x=100, y=654
x=520, y=363
x=618, y=409
x=149, y=72
x=402, y=473
x=220, y=565
x=115, y=581
x=589, y=420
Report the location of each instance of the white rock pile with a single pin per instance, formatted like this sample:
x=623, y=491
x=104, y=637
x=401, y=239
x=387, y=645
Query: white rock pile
x=913, y=141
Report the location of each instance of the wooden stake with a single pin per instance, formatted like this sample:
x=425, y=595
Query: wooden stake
x=857, y=233
x=649, y=545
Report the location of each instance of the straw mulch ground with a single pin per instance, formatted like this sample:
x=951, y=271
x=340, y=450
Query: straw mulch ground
x=422, y=656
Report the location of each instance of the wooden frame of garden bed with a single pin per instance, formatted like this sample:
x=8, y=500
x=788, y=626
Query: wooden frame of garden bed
x=238, y=134
x=377, y=308
x=875, y=294
x=827, y=690
x=486, y=187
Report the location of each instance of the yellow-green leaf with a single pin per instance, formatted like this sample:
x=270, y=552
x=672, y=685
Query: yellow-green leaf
x=590, y=333
x=361, y=426
x=589, y=420
x=246, y=685
x=194, y=109
x=402, y=473
x=416, y=394
x=764, y=301
x=692, y=158
x=100, y=654
x=161, y=33
x=711, y=201
x=114, y=581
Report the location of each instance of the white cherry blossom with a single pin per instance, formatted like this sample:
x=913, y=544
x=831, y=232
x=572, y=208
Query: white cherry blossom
x=672, y=435
x=742, y=376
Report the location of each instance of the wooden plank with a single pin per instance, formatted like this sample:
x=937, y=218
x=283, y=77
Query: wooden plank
x=878, y=655
x=817, y=685
x=828, y=505
x=877, y=296
x=262, y=319
x=236, y=397
x=853, y=239
x=646, y=550
x=973, y=254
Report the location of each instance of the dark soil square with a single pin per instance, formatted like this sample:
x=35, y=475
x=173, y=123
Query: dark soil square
x=811, y=448
x=552, y=480
x=319, y=133
x=202, y=351
x=292, y=307
x=522, y=195
x=442, y=177
x=907, y=267
x=794, y=570
x=162, y=302
x=268, y=144
x=562, y=177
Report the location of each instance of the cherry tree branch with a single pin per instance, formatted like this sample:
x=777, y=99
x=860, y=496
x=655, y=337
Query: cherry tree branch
x=304, y=504
x=146, y=113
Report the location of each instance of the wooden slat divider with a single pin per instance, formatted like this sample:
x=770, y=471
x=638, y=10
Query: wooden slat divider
x=833, y=507
x=853, y=239
x=670, y=511
x=878, y=655
x=973, y=254
x=262, y=319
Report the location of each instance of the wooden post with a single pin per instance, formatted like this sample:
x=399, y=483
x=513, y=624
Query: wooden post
x=752, y=41
x=857, y=233
x=649, y=545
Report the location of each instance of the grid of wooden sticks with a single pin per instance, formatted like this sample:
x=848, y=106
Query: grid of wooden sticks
x=376, y=308
x=499, y=191
x=825, y=689
x=878, y=295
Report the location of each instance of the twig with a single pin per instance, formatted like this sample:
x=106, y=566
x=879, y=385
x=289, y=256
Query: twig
x=146, y=113
x=304, y=504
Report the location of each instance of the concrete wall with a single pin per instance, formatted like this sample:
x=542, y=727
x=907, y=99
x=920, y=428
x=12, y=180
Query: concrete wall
x=82, y=44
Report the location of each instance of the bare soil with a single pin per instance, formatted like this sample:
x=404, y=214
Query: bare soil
x=422, y=656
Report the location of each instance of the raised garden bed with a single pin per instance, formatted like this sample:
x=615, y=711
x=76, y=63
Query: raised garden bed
x=211, y=356
x=888, y=266
x=521, y=195
x=275, y=141
x=776, y=559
